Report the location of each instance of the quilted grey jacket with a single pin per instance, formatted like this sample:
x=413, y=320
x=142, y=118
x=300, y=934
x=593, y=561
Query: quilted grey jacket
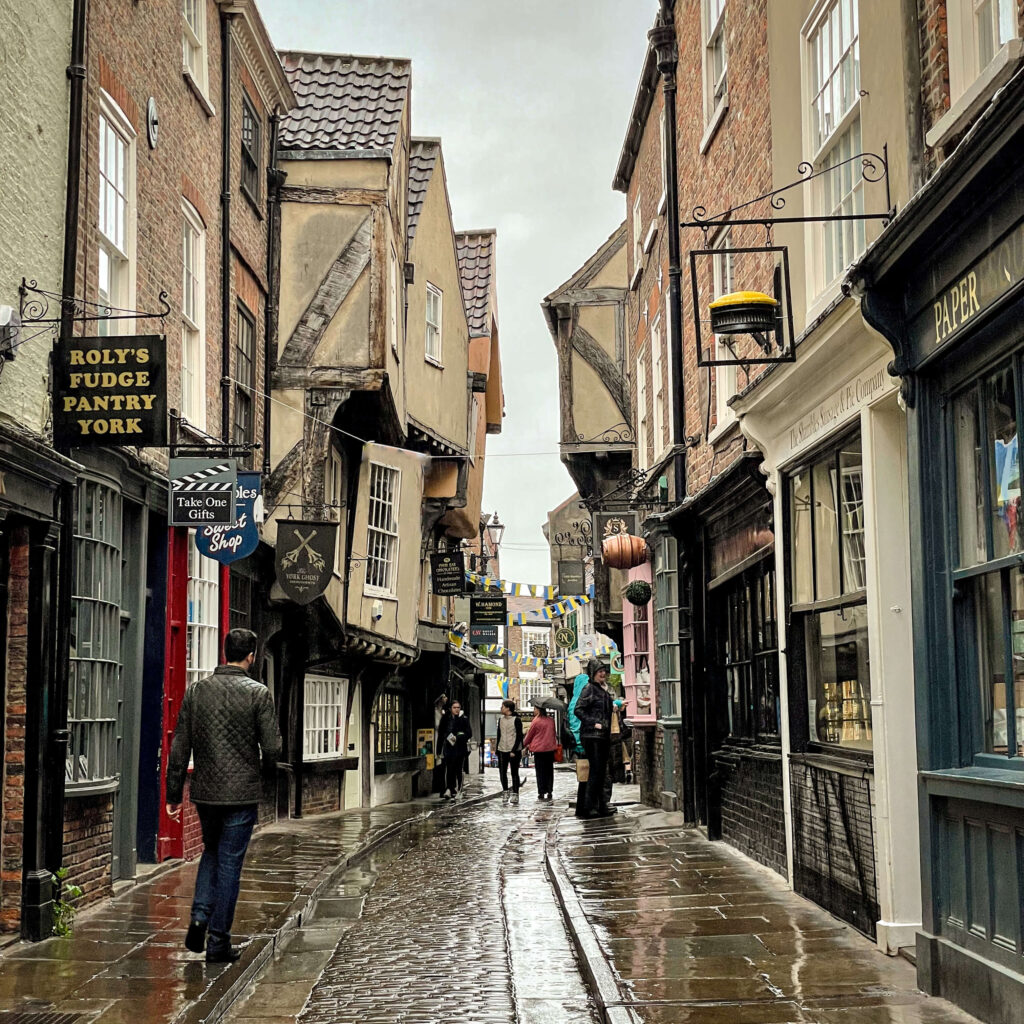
x=225, y=721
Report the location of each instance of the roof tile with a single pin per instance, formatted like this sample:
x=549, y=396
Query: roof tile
x=476, y=267
x=344, y=102
x=422, y=160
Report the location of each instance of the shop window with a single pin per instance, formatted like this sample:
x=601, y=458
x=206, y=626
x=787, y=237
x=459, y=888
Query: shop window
x=382, y=531
x=250, y=169
x=391, y=730
x=116, y=216
x=432, y=344
x=193, y=317
x=638, y=654
x=666, y=615
x=95, y=662
x=988, y=581
x=828, y=600
x=245, y=379
x=324, y=717
x=203, y=635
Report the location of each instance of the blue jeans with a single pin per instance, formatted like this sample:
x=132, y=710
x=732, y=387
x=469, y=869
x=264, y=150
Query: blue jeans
x=226, y=834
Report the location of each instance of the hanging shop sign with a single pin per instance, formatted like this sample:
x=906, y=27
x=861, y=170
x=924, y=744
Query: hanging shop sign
x=566, y=638
x=571, y=579
x=540, y=650
x=612, y=524
x=448, y=573
x=110, y=391
x=487, y=610
x=483, y=635
x=201, y=492
x=304, y=558
x=227, y=544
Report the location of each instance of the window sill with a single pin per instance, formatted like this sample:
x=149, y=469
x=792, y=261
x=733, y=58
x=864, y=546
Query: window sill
x=714, y=122
x=723, y=427
x=324, y=765
x=825, y=299
x=663, y=202
x=252, y=200
x=76, y=789
x=436, y=363
x=197, y=91
x=986, y=785
x=652, y=234
x=977, y=95
x=634, y=281
x=383, y=595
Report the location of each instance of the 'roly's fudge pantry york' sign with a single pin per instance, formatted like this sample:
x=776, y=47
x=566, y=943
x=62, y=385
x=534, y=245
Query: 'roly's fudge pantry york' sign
x=110, y=391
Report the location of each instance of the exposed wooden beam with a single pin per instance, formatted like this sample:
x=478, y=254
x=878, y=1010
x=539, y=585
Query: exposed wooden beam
x=605, y=367
x=333, y=196
x=352, y=378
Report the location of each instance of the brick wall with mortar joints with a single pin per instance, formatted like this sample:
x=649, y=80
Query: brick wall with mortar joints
x=88, y=834
x=15, y=697
x=322, y=793
x=753, y=817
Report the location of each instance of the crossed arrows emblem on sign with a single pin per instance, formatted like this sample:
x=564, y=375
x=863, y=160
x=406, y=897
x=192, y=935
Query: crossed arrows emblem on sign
x=312, y=556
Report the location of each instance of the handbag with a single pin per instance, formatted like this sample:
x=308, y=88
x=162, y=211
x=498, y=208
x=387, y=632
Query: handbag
x=582, y=769
x=559, y=754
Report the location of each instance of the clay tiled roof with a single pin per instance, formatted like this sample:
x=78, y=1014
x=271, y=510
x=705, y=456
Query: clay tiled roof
x=476, y=266
x=345, y=103
x=422, y=160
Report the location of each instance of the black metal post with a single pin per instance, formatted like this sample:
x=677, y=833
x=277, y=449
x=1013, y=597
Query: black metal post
x=275, y=178
x=227, y=70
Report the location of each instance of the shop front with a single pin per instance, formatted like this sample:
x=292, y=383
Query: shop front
x=945, y=284
x=832, y=435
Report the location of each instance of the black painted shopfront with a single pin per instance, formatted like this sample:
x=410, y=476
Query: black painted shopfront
x=945, y=285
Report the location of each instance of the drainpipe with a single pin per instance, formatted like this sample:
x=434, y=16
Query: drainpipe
x=275, y=179
x=227, y=66
x=663, y=39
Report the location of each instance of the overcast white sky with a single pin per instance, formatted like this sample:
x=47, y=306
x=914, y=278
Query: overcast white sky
x=531, y=100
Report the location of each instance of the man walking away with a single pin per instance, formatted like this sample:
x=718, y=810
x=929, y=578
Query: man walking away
x=455, y=736
x=594, y=709
x=510, y=749
x=225, y=721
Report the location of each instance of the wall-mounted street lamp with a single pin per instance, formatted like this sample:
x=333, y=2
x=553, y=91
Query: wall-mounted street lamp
x=495, y=531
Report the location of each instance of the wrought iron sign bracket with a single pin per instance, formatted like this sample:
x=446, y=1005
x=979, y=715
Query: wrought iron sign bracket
x=626, y=497
x=874, y=168
x=34, y=308
x=217, y=448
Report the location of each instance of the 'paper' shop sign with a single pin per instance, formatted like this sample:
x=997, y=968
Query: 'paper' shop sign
x=110, y=391
x=227, y=544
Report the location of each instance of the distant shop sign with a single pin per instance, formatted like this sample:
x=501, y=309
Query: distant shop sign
x=448, y=573
x=227, y=544
x=488, y=611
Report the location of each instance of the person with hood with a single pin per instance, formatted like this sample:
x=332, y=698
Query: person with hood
x=541, y=741
x=580, y=683
x=594, y=709
x=455, y=733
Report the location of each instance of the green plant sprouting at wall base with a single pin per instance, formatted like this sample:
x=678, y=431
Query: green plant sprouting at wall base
x=64, y=910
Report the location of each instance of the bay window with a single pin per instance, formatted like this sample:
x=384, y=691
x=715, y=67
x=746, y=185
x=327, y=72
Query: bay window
x=828, y=597
x=666, y=616
x=638, y=654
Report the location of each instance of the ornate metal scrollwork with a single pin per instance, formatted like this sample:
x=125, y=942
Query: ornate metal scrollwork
x=626, y=496
x=34, y=307
x=620, y=433
x=578, y=535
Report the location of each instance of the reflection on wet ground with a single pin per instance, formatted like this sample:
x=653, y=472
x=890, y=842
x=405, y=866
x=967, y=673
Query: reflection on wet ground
x=125, y=962
x=697, y=934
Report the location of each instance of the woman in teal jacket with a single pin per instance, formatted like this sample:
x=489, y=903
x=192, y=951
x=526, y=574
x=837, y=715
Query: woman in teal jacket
x=578, y=686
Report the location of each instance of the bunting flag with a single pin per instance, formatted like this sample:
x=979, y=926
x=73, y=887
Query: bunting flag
x=532, y=662
x=550, y=612
x=541, y=590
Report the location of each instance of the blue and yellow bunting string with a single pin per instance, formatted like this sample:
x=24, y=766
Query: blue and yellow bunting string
x=541, y=590
x=549, y=612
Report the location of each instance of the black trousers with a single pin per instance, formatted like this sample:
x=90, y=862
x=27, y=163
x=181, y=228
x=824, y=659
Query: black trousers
x=453, y=773
x=544, y=768
x=506, y=760
x=597, y=754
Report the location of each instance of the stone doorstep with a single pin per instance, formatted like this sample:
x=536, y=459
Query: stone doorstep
x=257, y=953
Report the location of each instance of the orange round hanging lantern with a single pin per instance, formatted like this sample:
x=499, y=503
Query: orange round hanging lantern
x=624, y=551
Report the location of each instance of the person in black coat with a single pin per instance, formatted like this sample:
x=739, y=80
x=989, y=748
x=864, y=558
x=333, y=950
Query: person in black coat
x=594, y=710
x=455, y=733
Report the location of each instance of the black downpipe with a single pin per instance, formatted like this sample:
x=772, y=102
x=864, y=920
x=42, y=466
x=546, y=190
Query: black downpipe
x=275, y=179
x=227, y=64
x=663, y=38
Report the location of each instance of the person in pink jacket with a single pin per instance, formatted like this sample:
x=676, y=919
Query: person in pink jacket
x=541, y=741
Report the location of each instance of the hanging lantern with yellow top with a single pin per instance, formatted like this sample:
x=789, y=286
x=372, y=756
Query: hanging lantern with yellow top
x=744, y=313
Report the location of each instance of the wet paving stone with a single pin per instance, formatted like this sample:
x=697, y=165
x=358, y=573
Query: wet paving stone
x=697, y=934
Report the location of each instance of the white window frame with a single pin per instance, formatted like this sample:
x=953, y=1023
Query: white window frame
x=716, y=86
x=831, y=127
x=638, y=234
x=193, y=324
x=116, y=136
x=533, y=636
x=334, y=494
x=659, y=388
x=382, y=539
x=966, y=61
x=433, y=328
x=663, y=137
x=202, y=642
x=324, y=717
x=725, y=376
x=641, y=409
x=393, y=301
x=532, y=686
x=194, y=60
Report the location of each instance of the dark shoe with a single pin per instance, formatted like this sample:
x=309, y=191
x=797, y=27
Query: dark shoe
x=195, y=938
x=599, y=814
x=223, y=956
x=609, y=809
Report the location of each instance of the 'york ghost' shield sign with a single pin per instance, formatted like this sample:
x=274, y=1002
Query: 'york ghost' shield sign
x=304, y=558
